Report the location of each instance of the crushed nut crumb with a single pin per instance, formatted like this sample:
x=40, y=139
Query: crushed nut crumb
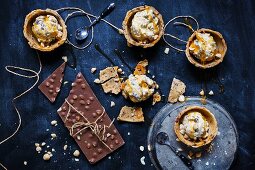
x=112, y=104
x=97, y=81
x=166, y=50
x=76, y=153
x=93, y=70
x=53, y=123
x=211, y=93
x=46, y=157
x=202, y=93
x=65, y=147
x=142, y=160
x=141, y=148
x=181, y=98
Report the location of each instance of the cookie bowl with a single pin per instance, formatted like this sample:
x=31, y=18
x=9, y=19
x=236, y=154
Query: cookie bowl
x=34, y=40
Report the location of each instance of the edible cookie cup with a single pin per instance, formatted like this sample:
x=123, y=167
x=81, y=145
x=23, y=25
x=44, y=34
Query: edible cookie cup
x=33, y=40
x=127, y=23
x=219, y=52
x=201, y=141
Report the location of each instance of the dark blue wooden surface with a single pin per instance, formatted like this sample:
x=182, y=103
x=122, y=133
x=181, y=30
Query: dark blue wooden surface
x=234, y=19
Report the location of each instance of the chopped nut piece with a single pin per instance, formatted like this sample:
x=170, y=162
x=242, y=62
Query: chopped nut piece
x=202, y=92
x=120, y=71
x=97, y=81
x=166, y=50
x=211, y=92
x=93, y=70
x=180, y=149
x=64, y=58
x=142, y=160
x=141, y=148
x=131, y=114
x=65, y=147
x=46, y=157
x=54, y=122
x=218, y=55
x=177, y=89
x=181, y=98
x=53, y=135
x=38, y=149
x=156, y=98
x=112, y=104
x=76, y=153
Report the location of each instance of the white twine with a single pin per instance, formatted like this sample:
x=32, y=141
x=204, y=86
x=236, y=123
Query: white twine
x=35, y=75
x=178, y=24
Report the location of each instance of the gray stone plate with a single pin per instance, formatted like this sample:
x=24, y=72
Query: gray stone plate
x=224, y=145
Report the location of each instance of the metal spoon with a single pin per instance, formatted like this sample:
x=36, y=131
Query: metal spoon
x=83, y=32
x=163, y=139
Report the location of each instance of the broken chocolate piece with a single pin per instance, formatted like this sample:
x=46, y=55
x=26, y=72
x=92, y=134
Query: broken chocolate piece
x=131, y=114
x=88, y=122
x=50, y=87
x=177, y=89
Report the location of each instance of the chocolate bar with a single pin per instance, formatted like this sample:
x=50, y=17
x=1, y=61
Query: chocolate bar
x=50, y=87
x=88, y=123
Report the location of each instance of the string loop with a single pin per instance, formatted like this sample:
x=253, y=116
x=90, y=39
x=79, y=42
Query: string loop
x=179, y=24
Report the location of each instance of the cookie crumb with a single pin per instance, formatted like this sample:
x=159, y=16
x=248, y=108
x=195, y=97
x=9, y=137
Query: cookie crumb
x=141, y=148
x=25, y=162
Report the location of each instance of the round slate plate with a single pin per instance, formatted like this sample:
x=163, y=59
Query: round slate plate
x=224, y=145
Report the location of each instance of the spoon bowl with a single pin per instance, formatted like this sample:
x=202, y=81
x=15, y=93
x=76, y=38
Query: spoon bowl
x=82, y=33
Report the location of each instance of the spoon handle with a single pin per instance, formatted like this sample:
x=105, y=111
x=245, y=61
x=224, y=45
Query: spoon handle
x=107, y=11
x=186, y=161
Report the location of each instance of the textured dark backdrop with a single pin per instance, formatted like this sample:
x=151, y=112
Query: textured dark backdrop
x=234, y=19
